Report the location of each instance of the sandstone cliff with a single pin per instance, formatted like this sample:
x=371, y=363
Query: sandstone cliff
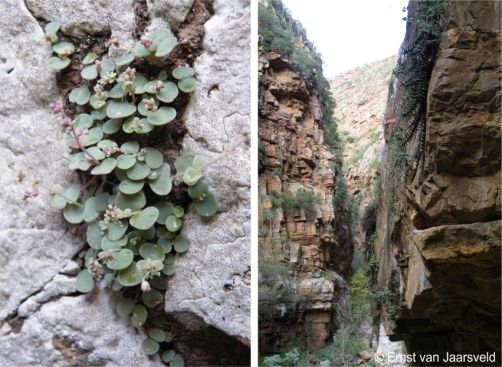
x=305, y=249
x=439, y=215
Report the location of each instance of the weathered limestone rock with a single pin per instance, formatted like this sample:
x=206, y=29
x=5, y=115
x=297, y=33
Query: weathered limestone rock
x=43, y=321
x=439, y=238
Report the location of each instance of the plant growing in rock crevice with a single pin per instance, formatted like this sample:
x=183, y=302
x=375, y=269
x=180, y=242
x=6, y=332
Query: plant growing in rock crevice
x=414, y=71
x=133, y=225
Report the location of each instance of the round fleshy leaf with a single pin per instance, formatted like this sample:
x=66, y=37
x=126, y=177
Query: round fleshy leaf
x=130, y=276
x=162, y=116
x=142, y=107
x=198, y=190
x=169, y=270
x=96, y=153
x=133, y=202
x=79, y=161
x=131, y=187
x=151, y=86
x=139, y=316
x=150, y=346
x=139, y=171
x=125, y=161
x=112, y=126
x=187, y=85
x=182, y=72
x=80, y=96
x=152, y=252
x=121, y=259
x=177, y=361
x=108, y=244
x=84, y=281
x=58, y=201
x=124, y=59
x=157, y=334
x=139, y=83
x=148, y=234
x=152, y=298
x=130, y=147
x=169, y=260
x=159, y=282
x=52, y=27
x=162, y=75
x=157, y=36
x=63, y=49
x=117, y=109
x=107, y=144
x=191, y=176
x=96, y=102
x=179, y=211
x=148, y=264
x=166, y=244
x=144, y=127
x=163, y=184
x=145, y=218
x=117, y=230
x=153, y=158
x=181, y=243
x=125, y=307
x=168, y=93
x=166, y=46
x=92, y=137
x=72, y=193
x=173, y=223
x=117, y=91
x=106, y=166
x=94, y=235
x=208, y=206
x=89, y=58
x=83, y=121
x=89, y=72
x=99, y=114
x=139, y=50
x=56, y=64
x=168, y=356
x=73, y=214
x=90, y=212
x=165, y=209
x=183, y=162
x=107, y=67
x=199, y=162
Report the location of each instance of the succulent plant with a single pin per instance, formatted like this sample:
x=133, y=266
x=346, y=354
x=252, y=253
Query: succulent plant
x=133, y=226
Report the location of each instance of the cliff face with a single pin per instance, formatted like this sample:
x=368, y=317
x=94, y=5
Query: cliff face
x=360, y=96
x=294, y=160
x=439, y=227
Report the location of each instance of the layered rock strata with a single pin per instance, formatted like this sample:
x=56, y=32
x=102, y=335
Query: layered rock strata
x=439, y=231
x=312, y=241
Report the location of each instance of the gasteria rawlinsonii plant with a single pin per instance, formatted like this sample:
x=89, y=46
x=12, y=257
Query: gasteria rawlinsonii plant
x=133, y=229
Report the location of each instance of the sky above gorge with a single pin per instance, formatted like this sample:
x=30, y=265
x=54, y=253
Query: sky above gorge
x=351, y=33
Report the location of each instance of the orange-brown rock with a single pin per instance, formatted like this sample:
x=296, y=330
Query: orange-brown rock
x=293, y=158
x=439, y=232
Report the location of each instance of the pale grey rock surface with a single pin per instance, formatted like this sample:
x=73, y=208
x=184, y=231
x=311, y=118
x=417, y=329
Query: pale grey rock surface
x=213, y=280
x=36, y=246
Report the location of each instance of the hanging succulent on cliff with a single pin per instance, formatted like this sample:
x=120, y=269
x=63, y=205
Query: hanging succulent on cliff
x=414, y=70
x=133, y=228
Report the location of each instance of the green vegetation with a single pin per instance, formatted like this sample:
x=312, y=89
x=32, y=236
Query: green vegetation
x=133, y=225
x=276, y=286
x=291, y=202
x=279, y=32
x=415, y=72
x=346, y=343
